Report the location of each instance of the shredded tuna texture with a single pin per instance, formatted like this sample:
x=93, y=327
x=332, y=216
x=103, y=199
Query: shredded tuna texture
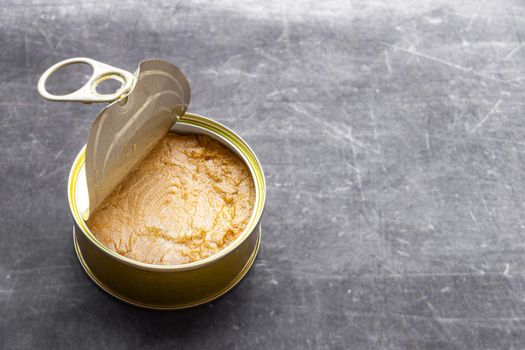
x=188, y=199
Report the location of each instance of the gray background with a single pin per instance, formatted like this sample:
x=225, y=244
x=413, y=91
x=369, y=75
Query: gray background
x=393, y=139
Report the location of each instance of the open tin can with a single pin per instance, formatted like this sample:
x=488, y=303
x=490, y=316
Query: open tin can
x=165, y=287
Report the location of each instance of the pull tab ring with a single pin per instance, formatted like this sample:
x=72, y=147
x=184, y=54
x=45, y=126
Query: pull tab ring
x=88, y=93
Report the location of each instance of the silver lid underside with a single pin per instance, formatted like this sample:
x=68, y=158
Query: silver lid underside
x=125, y=131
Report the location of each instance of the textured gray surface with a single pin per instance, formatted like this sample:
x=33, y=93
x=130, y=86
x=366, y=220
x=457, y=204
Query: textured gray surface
x=392, y=136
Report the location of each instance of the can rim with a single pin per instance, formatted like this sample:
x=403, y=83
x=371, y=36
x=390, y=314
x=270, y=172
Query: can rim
x=251, y=161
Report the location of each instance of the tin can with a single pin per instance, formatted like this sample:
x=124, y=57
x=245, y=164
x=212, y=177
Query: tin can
x=177, y=286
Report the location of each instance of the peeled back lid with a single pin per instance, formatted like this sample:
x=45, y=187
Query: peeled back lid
x=145, y=107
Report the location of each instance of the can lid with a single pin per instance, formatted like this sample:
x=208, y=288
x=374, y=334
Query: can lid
x=143, y=110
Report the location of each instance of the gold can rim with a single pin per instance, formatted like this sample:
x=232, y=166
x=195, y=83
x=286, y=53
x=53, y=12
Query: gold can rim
x=252, y=162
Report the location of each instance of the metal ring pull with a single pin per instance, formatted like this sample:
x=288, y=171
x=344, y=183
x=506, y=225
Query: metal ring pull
x=88, y=93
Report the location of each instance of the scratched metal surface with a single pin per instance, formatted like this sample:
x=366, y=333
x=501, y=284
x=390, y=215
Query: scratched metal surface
x=392, y=134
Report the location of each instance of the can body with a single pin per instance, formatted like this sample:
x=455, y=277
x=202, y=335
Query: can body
x=170, y=287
